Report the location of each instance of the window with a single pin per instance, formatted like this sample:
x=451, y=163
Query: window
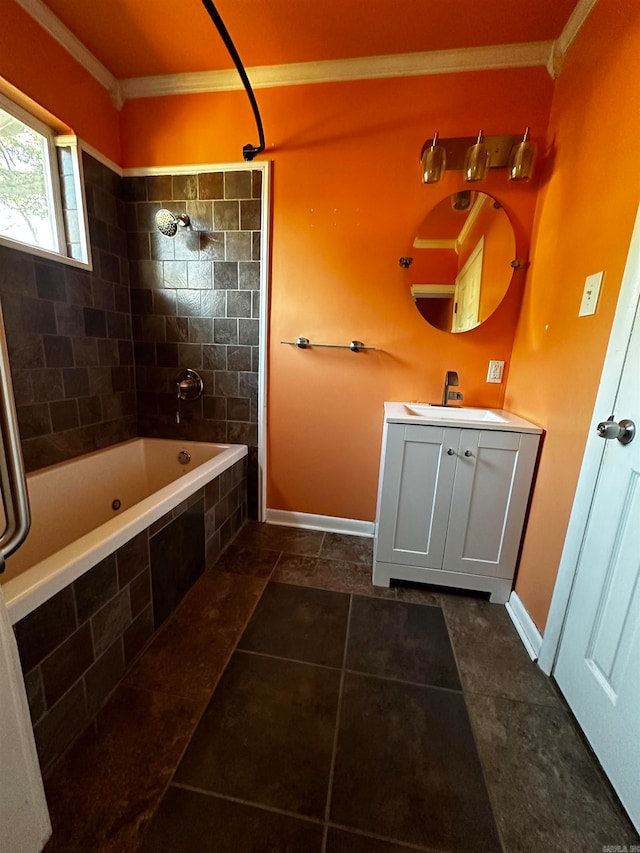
x=41, y=196
x=27, y=204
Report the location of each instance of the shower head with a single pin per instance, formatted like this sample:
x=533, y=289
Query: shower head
x=167, y=222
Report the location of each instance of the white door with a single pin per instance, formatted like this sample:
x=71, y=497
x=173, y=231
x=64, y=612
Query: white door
x=598, y=665
x=466, y=298
x=24, y=819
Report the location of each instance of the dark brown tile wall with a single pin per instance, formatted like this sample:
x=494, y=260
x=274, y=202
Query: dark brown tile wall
x=225, y=509
x=76, y=647
x=196, y=303
x=177, y=558
x=69, y=336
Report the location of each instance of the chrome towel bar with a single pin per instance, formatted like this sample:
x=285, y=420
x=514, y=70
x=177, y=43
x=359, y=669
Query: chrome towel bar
x=305, y=343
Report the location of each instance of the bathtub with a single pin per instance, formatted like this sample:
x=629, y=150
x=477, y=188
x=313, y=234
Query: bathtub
x=85, y=509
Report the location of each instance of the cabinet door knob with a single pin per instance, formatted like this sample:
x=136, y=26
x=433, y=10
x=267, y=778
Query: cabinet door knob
x=450, y=451
x=468, y=453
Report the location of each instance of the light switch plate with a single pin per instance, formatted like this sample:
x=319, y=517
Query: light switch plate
x=590, y=294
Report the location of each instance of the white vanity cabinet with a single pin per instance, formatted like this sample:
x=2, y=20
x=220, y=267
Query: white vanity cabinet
x=452, y=500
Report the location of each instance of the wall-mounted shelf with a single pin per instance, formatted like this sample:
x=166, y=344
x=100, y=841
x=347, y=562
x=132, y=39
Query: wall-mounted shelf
x=305, y=343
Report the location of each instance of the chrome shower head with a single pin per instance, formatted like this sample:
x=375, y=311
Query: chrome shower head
x=167, y=222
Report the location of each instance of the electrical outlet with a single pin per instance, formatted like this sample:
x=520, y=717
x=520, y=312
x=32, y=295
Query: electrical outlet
x=494, y=374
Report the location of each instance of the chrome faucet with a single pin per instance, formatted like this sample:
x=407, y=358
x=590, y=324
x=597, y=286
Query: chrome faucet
x=189, y=386
x=450, y=379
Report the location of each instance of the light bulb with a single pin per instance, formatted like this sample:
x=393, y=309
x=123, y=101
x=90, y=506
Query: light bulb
x=476, y=161
x=433, y=162
x=522, y=159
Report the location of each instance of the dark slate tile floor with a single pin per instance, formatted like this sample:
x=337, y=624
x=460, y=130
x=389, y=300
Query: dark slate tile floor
x=290, y=706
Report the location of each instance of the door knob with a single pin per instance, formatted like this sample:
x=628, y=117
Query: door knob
x=450, y=451
x=623, y=431
x=468, y=453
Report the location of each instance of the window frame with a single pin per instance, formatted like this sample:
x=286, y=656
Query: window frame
x=54, y=191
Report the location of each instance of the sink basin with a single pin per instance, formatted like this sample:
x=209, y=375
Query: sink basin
x=452, y=413
x=466, y=417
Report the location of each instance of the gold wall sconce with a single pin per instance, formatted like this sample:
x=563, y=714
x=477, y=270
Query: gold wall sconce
x=474, y=156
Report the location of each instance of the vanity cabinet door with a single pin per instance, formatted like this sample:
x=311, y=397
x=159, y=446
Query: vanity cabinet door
x=489, y=502
x=417, y=479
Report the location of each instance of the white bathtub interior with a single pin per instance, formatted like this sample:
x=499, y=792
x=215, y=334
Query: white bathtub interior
x=74, y=523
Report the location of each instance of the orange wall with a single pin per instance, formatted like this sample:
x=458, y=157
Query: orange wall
x=40, y=68
x=434, y=266
x=347, y=200
x=583, y=225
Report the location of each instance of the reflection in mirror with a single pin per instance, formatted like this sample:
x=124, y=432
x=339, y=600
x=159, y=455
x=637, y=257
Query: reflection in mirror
x=462, y=270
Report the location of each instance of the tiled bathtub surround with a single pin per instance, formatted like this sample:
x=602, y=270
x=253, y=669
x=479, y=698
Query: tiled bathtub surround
x=193, y=301
x=69, y=336
x=76, y=647
x=196, y=303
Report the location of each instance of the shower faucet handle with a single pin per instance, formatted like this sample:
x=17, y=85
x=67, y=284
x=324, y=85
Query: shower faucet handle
x=189, y=385
x=185, y=387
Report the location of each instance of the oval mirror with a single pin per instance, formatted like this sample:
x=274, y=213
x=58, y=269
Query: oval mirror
x=462, y=258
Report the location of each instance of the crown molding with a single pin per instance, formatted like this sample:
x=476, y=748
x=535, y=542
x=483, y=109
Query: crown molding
x=549, y=54
x=473, y=214
x=342, y=70
x=571, y=29
x=432, y=291
x=57, y=30
x=424, y=243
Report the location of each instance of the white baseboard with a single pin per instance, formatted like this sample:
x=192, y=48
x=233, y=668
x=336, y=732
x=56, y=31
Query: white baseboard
x=327, y=523
x=524, y=625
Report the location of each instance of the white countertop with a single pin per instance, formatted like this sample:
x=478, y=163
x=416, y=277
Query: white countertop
x=466, y=417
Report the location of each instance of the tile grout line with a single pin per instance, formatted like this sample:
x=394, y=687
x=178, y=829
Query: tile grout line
x=201, y=715
x=275, y=566
x=362, y=833
x=363, y=673
x=390, y=679
x=490, y=795
x=288, y=660
x=251, y=803
x=502, y=698
x=452, y=644
x=483, y=770
x=326, y=588
x=334, y=749
x=324, y=536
